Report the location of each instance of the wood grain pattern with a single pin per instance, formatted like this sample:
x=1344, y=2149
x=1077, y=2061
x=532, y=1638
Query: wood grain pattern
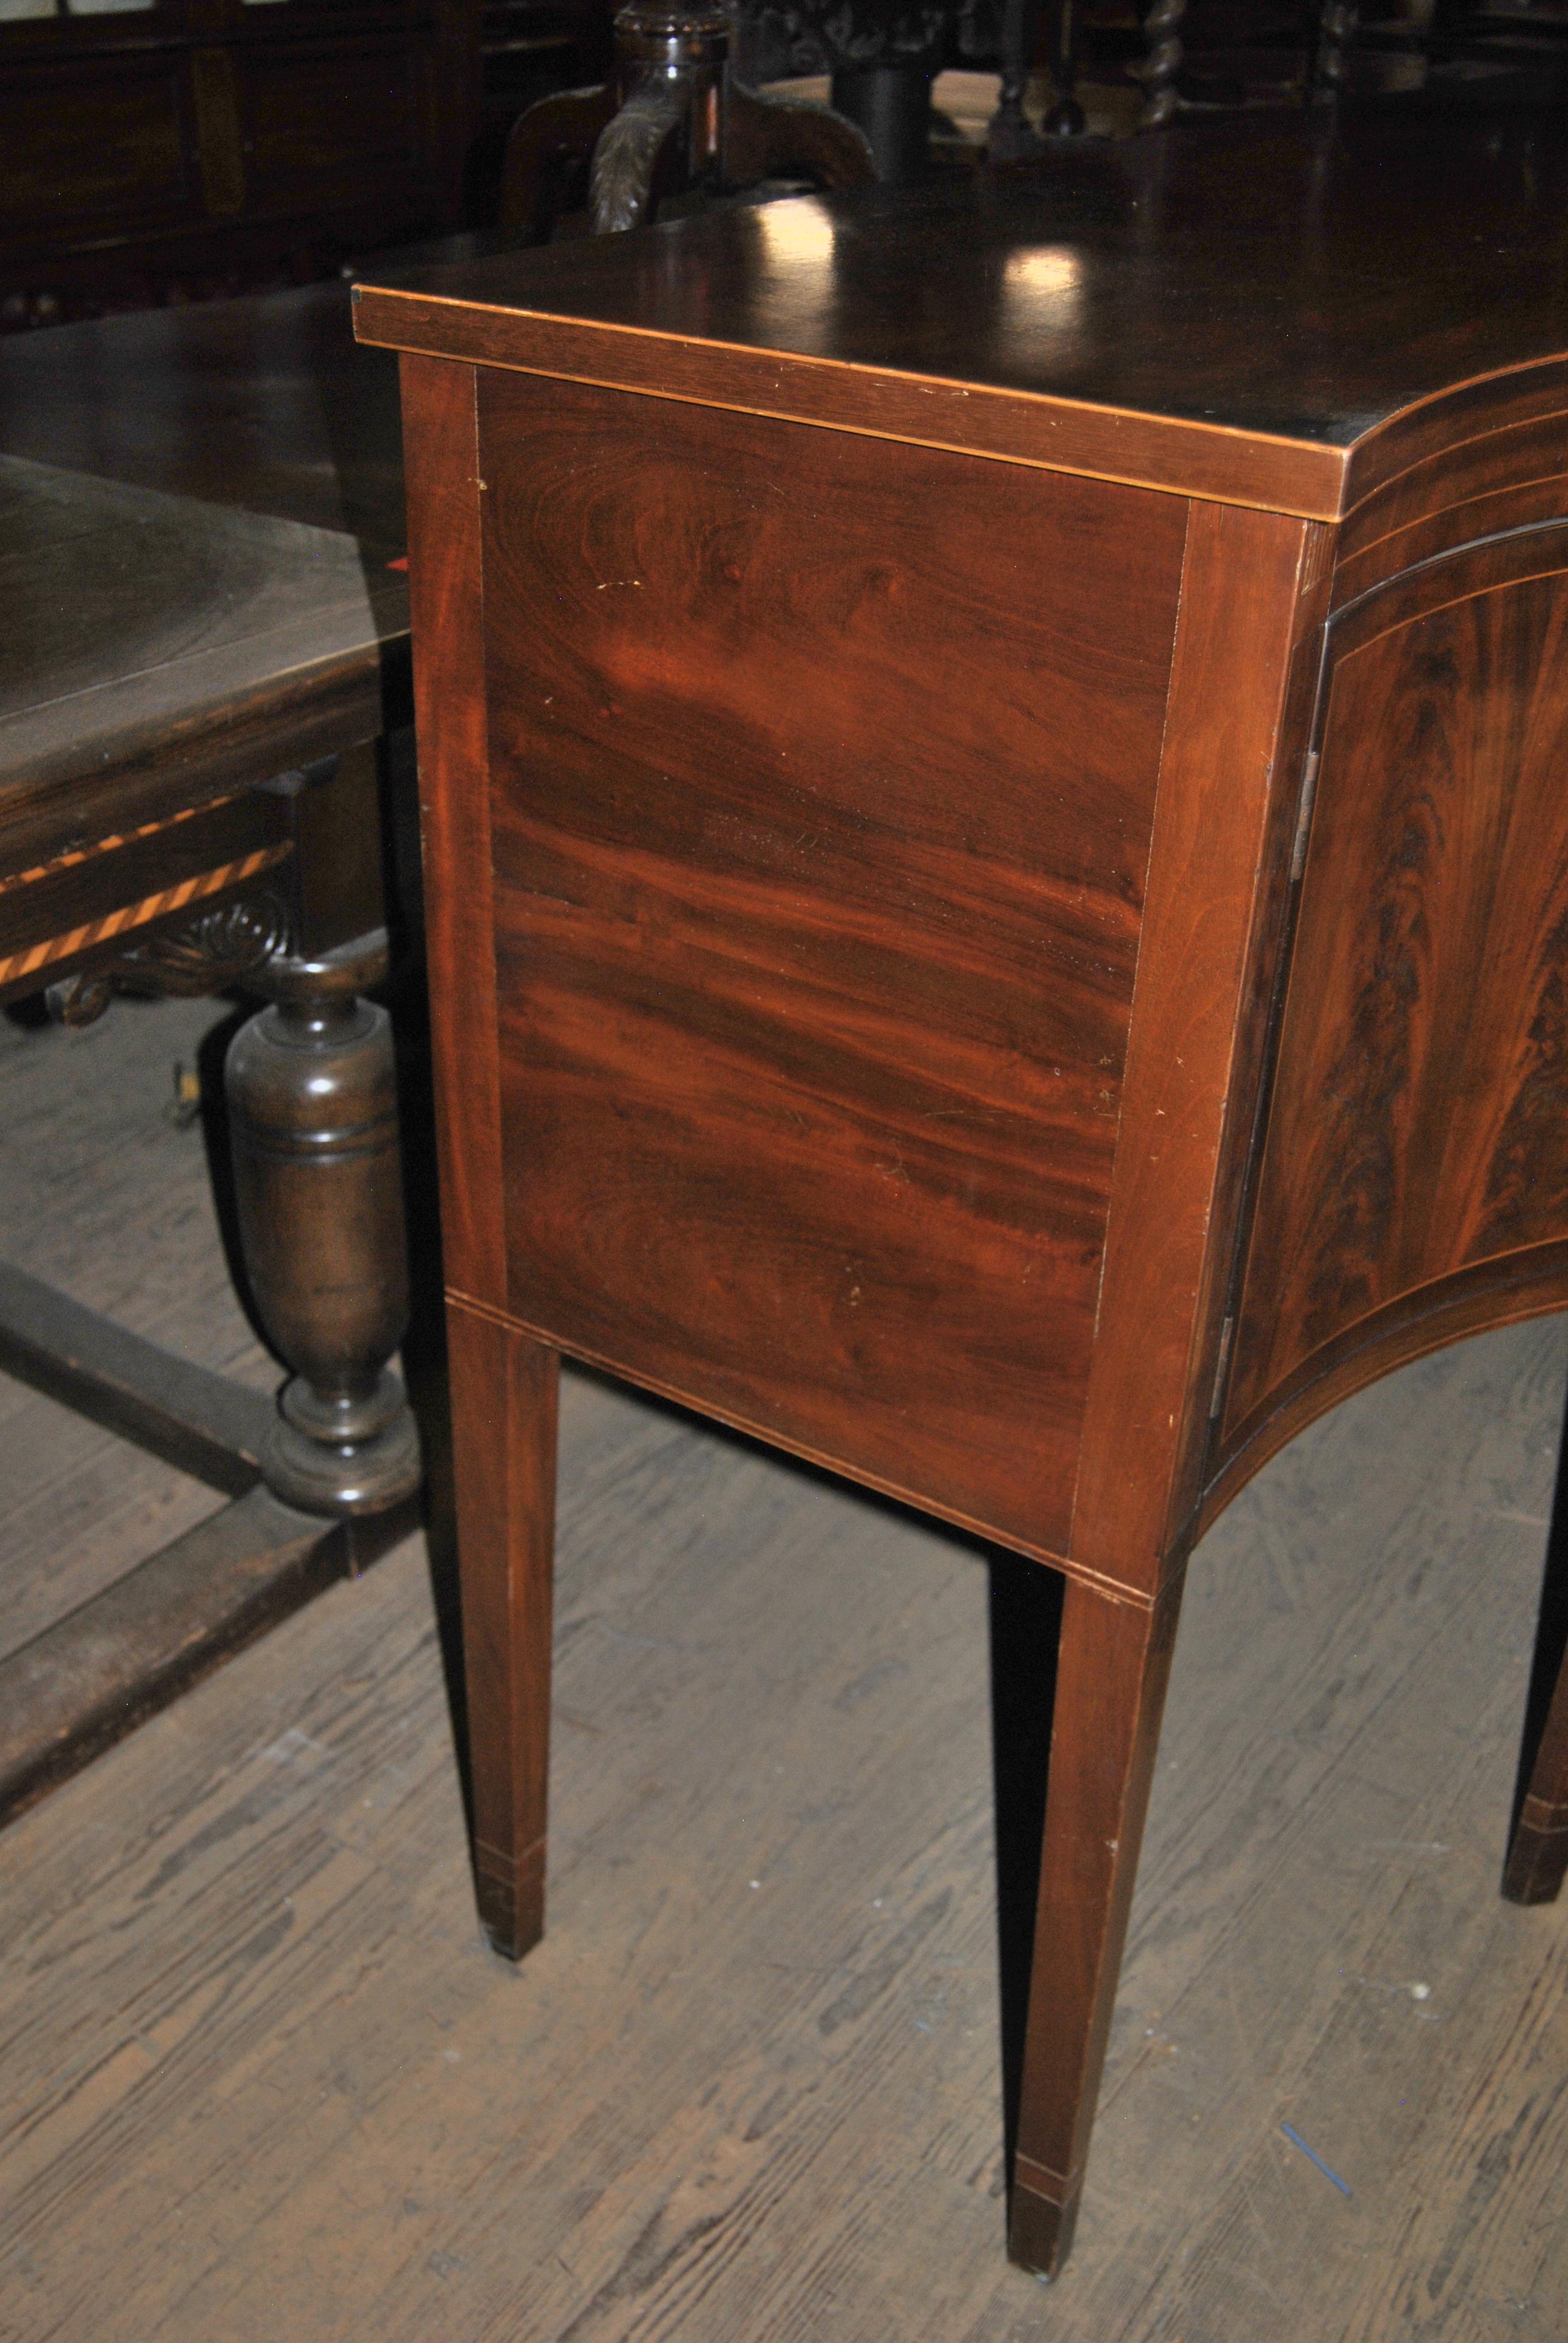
x=1222, y=787
x=1417, y=1127
x=239, y=1950
x=1490, y=397
x=104, y=1669
x=1111, y=1675
x=447, y=595
x=845, y=786
x=1486, y=518
x=1063, y=434
x=504, y=1412
x=822, y=1043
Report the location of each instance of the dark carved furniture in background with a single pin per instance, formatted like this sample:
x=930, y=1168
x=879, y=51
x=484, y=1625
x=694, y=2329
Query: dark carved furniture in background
x=1214, y=53
x=1522, y=38
x=527, y=50
x=193, y=142
x=675, y=118
x=681, y=111
x=680, y=114
x=881, y=56
x=997, y=878
x=190, y=698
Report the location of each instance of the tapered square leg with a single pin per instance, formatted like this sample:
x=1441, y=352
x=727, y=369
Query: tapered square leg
x=503, y=1426
x=1113, y=1664
x=1538, y=1851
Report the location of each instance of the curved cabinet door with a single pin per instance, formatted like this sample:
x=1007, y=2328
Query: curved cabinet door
x=1413, y=1183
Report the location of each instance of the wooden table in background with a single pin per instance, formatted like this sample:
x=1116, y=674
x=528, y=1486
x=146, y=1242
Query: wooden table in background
x=998, y=891
x=206, y=638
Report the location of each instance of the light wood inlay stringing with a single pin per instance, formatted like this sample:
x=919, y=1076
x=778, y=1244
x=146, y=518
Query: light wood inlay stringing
x=140, y=914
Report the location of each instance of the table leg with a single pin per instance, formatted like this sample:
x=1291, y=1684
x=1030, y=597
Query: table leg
x=313, y=1111
x=1011, y=137
x=1538, y=1840
x=1538, y=1851
x=1112, y=1665
x=504, y=1391
x=1538, y=1843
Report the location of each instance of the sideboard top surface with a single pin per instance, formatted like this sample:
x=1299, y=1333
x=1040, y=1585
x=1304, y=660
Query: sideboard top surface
x=1244, y=310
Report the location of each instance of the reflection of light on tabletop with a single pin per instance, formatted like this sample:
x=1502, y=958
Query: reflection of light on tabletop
x=796, y=237
x=1043, y=268
x=1041, y=292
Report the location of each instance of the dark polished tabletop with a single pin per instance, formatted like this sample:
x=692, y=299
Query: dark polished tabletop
x=1278, y=274
x=201, y=555
x=264, y=403
x=155, y=639
x=201, y=542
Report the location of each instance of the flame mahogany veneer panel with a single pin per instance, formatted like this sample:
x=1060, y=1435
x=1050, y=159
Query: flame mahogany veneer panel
x=1419, y=1125
x=822, y=788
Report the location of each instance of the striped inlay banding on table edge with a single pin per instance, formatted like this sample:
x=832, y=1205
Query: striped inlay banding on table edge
x=72, y=855
x=137, y=915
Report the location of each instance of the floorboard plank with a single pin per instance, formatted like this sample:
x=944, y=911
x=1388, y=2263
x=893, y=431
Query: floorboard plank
x=263, y=2082
x=101, y=1194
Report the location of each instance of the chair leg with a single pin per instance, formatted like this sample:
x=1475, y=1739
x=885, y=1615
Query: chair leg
x=1112, y=1666
x=1011, y=137
x=504, y=1416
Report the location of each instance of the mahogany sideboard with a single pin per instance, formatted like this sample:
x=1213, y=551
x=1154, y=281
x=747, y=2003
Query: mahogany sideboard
x=998, y=877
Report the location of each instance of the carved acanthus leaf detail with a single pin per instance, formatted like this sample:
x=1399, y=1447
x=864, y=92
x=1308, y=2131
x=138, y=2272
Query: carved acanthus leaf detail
x=626, y=157
x=205, y=955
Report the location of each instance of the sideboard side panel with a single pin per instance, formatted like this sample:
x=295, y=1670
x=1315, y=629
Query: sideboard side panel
x=1417, y=1151
x=823, y=777
x=447, y=602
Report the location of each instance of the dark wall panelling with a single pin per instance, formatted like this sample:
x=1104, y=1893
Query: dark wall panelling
x=205, y=144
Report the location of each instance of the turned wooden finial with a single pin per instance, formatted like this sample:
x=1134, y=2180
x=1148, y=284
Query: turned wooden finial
x=1163, y=31
x=1337, y=29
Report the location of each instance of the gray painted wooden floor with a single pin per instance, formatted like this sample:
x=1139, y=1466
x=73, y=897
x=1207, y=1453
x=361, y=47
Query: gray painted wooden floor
x=262, y=2084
